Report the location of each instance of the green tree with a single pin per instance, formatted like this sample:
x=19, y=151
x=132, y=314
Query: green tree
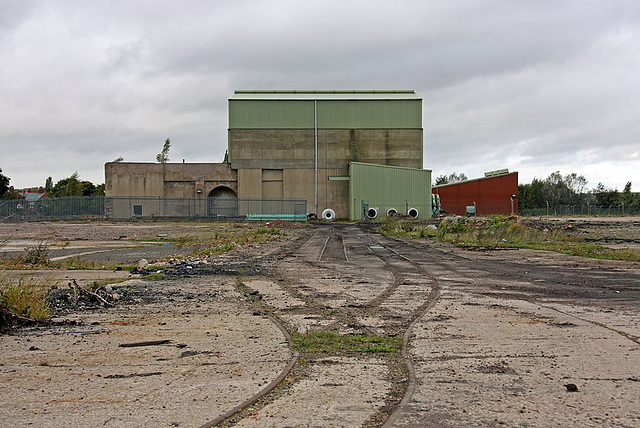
x=564, y=190
x=627, y=197
x=530, y=195
x=87, y=188
x=163, y=156
x=606, y=196
x=48, y=185
x=69, y=186
x=451, y=178
x=4, y=184
x=99, y=190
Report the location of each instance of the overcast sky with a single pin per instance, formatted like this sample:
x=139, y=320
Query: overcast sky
x=532, y=86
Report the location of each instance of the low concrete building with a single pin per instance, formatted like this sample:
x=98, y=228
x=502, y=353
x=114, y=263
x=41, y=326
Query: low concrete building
x=185, y=180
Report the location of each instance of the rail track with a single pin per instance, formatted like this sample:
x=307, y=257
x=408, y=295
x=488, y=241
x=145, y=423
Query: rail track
x=349, y=280
x=357, y=283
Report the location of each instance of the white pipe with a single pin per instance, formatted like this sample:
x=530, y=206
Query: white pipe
x=328, y=214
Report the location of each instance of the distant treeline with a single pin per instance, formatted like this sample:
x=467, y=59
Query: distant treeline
x=571, y=190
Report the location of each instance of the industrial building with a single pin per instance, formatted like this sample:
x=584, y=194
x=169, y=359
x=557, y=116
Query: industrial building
x=495, y=193
x=304, y=145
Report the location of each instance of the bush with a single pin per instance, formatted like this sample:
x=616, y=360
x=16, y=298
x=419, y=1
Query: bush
x=37, y=254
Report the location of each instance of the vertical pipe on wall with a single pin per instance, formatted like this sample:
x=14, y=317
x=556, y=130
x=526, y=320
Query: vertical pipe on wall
x=315, y=138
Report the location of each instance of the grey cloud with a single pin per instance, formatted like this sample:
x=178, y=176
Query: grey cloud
x=534, y=84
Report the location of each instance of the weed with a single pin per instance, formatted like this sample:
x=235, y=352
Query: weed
x=183, y=240
x=97, y=283
x=25, y=298
x=500, y=231
x=267, y=231
x=7, y=262
x=72, y=263
x=333, y=343
x=37, y=254
x=213, y=243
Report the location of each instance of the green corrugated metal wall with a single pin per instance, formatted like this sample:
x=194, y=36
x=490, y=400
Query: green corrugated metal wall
x=332, y=114
x=385, y=187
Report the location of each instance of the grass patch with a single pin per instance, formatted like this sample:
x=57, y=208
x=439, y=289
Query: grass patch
x=333, y=343
x=25, y=297
x=216, y=242
x=69, y=263
x=506, y=232
x=76, y=263
x=407, y=228
x=589, y=250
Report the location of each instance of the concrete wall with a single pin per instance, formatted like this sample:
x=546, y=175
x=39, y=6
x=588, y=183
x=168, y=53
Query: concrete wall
x=133, y=179
x=297, y=183
x=262, y=156
x=181, y=180
x=178, y=180
x=295, y=148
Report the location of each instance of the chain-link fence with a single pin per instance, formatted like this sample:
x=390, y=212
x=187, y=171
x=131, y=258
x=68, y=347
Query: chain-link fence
x=581, y=210
x=133, y=207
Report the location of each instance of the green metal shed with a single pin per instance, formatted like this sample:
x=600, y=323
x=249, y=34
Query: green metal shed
x=381, y=188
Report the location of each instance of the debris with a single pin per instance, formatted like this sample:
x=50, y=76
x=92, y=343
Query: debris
x=75, y=298
x=119, y=376
x=571, y=387
x=145, y=343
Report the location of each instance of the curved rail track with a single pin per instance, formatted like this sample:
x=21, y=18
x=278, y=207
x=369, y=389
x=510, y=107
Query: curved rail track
x=353, y=281
x=392, y=288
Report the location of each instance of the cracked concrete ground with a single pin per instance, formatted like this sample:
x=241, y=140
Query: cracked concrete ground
x=507, y=331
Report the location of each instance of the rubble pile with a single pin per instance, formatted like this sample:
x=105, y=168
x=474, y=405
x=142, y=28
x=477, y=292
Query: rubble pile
x=74, y=298
x=204, y=266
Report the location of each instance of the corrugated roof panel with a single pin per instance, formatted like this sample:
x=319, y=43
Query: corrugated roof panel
x=271, y=114
x=371, y=114
x=325, y=95
x=333, y=113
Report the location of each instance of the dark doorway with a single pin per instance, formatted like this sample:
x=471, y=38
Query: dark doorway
x=222, y=202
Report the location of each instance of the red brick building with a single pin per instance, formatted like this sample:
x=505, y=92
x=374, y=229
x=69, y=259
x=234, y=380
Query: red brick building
x=496, y=193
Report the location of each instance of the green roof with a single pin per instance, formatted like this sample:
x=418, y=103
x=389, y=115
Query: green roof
x=325, y=95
